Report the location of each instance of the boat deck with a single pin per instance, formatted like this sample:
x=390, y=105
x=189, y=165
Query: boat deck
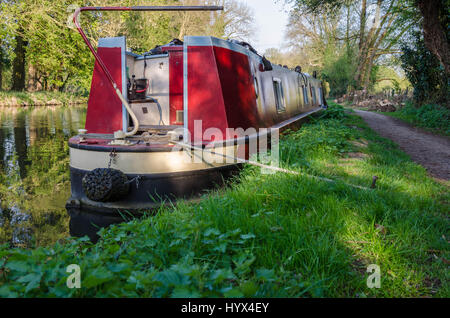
x=146, y=143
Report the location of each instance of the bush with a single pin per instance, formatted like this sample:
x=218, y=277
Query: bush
x=430, y=116
x=334, y=111
x=425, y=73
x=338, y=71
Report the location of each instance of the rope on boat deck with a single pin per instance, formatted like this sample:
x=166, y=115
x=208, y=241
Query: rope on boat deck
x=277, y=169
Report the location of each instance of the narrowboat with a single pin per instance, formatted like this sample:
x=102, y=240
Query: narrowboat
x=163, y=125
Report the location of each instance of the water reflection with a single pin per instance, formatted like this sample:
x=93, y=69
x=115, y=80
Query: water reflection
x=34, y=173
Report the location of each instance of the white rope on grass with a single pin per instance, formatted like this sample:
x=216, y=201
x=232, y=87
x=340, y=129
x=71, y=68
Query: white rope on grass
x=257, y=164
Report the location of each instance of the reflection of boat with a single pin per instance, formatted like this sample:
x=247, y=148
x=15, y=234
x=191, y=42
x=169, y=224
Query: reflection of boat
x=134, y=131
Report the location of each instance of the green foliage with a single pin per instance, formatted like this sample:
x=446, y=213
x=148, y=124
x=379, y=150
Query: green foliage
x=387, y=78
x=317, y=6
x=325, y=135
x=425, y=73
x=144, y=30
x=432, y=116
x=334, y=111
x=338, y=70
x=5, y=61
x=56, y=55
x=274, y=235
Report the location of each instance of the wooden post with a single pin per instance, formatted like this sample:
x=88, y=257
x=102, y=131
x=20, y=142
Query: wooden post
x=374, y=182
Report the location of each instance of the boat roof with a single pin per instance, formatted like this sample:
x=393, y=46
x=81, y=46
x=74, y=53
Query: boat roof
x=235, y=45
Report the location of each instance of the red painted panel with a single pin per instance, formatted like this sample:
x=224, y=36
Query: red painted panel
x=104, y=114
x=175, y=84
x=205, y=99
x=238, y=88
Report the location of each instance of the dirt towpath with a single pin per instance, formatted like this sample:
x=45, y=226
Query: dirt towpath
x=431, y=151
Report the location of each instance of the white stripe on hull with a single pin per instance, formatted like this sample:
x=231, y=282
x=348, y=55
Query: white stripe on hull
x=150, y=162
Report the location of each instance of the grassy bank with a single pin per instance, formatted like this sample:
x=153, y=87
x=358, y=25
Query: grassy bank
x=435, y=118
x=17, y=99
x=270, y=235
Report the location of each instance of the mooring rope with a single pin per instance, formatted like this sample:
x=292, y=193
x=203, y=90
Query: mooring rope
x=277, y=169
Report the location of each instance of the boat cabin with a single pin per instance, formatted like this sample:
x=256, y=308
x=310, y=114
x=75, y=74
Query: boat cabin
x=225, y=84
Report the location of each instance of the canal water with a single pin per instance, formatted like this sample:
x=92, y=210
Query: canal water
x=34, y=173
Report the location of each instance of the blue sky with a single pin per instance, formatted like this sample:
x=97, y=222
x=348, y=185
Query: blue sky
x=271, y=20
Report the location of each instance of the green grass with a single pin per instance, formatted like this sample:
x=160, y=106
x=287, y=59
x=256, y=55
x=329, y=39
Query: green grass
x=11, y=98
x=273, y=235
x=435, y=118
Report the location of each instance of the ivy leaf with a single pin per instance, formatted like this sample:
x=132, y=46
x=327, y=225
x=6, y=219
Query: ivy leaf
x=5, y=292
x=176, y=242
x=248, y=236
x=266, y=274
x=18, y=266
x=249, y=288
x=184, y=292
x=233, y=293
x=84, y=239
x=34, y=283
x=119, y=268
x=221, y=274
x=172, y=278
x=243, y=262
x=221, y=248
x=235, y=232
x=211, y=231
x=97, y=277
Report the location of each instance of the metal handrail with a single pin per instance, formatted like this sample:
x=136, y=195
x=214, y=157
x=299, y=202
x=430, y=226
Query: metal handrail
x=100, y=61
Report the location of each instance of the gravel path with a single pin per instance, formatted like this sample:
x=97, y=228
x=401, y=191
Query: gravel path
x=431, y=151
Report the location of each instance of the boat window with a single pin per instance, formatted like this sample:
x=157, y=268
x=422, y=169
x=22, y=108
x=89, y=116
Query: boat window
x=305, y=95
x=320, y=96
x=256, y=87
x=279, y=94
x=313, y=94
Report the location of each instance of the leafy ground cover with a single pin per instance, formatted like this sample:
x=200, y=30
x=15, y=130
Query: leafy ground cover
x=432, y=117
x=273, y=235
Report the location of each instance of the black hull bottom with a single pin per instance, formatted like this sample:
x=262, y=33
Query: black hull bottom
x=147, y=194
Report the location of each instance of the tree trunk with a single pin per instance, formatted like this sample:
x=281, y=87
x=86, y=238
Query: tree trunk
x=371, y=52
x=368, y=71
x=2, y=61
x=361, y=54
x=434, y=14
x=18, y=76
x=1, y=67
x=347, y=32
x=362, y=23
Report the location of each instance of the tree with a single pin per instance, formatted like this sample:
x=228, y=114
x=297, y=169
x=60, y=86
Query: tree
x=5, y=31
x=435, y=22
x=313, y=35
x=436, y=28
x=18, y=72
x=55, y=56
x=236, y=21
x=2, y=63
x=373, y=27
x=14, y=27
x=425, y=72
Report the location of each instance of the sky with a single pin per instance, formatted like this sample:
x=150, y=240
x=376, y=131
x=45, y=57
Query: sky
x=271, y=19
